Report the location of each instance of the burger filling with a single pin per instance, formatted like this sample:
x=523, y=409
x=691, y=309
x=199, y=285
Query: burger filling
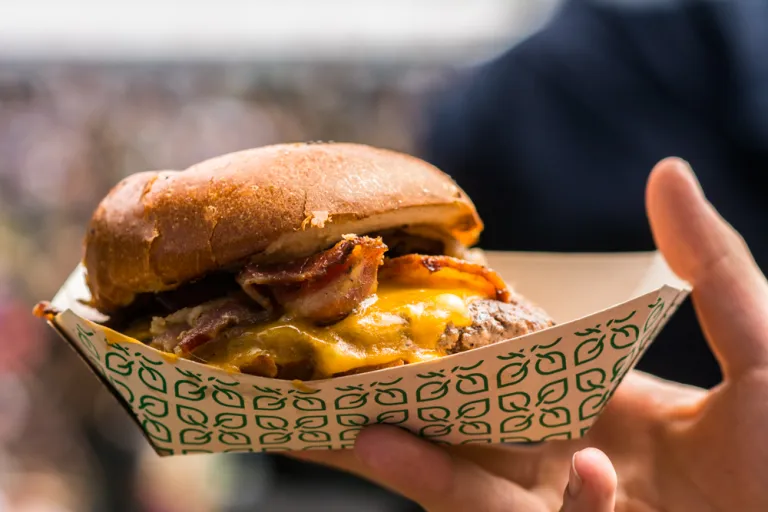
x=357, y=306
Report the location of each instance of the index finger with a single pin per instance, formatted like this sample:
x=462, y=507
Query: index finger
x=730, y=292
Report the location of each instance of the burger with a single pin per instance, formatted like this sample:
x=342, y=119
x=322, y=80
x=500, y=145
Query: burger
x=299, y=261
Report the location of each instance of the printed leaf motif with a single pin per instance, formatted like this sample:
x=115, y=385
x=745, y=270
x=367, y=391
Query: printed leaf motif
x=228, y=398
x=562, y=436
x=352, y=420
x=475, y=428
x=117, y=363
x=238, y=450
x=434, y=390
x=588, y=331
x=555, y=417
x=224, y=382
x=268, y=403
x=393, y=417
x=513, y=402
x=512, y=374
x=553, y=392
x=351, y=401
x=323, y=447
x=271, y=422
x=656, y=308
x=431, y=375
x=156, y=430
x=153, y=379
x=436, y=430
x=234, y=438
x=153, y=406
x=189, y=390
x=393, y=396
x=308, y=403
x=230, y=420
x=147, y=360
x=511, y=355
x=551, y=345
x=516, y=423
x=625, y=336
x=549, y=363
x=590, y=380
x=584, y=431
x=358, y=387
x=274, y=438
x=475, y=409
x=123, y=389
x=476, y=441
x=590, y=407
x=188, y=374
x=472, y=383
x=349, y=434
x=164, y=452
x=589, y=350
x=265, y=390
x=191, y=416
x=618, y=366
x=434, y=414
x=467, y=368
x=195, y=436
x=85, y=339
x=390, y=383
x=314, y=436
x=311, y=422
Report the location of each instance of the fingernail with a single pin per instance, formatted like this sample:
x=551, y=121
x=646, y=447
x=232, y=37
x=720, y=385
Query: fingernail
x=574, y=480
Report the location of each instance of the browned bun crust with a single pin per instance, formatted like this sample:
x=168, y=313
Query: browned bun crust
x=157, y=230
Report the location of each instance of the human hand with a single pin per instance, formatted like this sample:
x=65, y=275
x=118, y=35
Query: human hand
x=673, y=447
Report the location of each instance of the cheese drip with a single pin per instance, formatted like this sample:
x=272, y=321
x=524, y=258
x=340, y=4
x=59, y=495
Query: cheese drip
x=396, y=323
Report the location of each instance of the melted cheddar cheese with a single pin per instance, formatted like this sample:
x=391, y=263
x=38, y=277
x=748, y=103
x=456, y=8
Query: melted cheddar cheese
x=395, y=323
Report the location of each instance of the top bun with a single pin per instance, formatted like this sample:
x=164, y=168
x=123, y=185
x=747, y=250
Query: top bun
x=156, y=230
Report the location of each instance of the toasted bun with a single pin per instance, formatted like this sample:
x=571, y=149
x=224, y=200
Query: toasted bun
x=157, y=230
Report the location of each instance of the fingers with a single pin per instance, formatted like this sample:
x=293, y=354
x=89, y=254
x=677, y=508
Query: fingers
x=426, y=474
x=433, y=478
x=730, y=293
x=591, y=483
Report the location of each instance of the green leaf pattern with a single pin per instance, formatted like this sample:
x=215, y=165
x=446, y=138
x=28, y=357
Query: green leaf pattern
x=546, y=386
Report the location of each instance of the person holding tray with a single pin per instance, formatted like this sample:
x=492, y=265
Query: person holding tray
x=658, y=445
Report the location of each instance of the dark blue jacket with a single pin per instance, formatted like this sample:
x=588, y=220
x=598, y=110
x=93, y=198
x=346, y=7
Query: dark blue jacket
x=554, y=139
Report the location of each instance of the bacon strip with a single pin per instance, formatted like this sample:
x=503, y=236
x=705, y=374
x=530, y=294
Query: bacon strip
x=325, y=287
x=435, y=270
x=189, y=328
x=212, y=322
x=169, y=338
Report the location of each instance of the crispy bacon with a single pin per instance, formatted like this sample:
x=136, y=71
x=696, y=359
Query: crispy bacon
x=324, y=287
x=188, y=328
x=212, y=322
x=169, y=338
x=433, y=270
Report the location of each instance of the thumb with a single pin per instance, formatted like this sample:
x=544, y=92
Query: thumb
x=729, y=291
x=591, y=484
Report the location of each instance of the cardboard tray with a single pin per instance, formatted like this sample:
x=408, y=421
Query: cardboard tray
x=548, y=385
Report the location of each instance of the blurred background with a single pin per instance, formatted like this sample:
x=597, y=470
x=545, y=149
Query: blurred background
x=550, y=113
